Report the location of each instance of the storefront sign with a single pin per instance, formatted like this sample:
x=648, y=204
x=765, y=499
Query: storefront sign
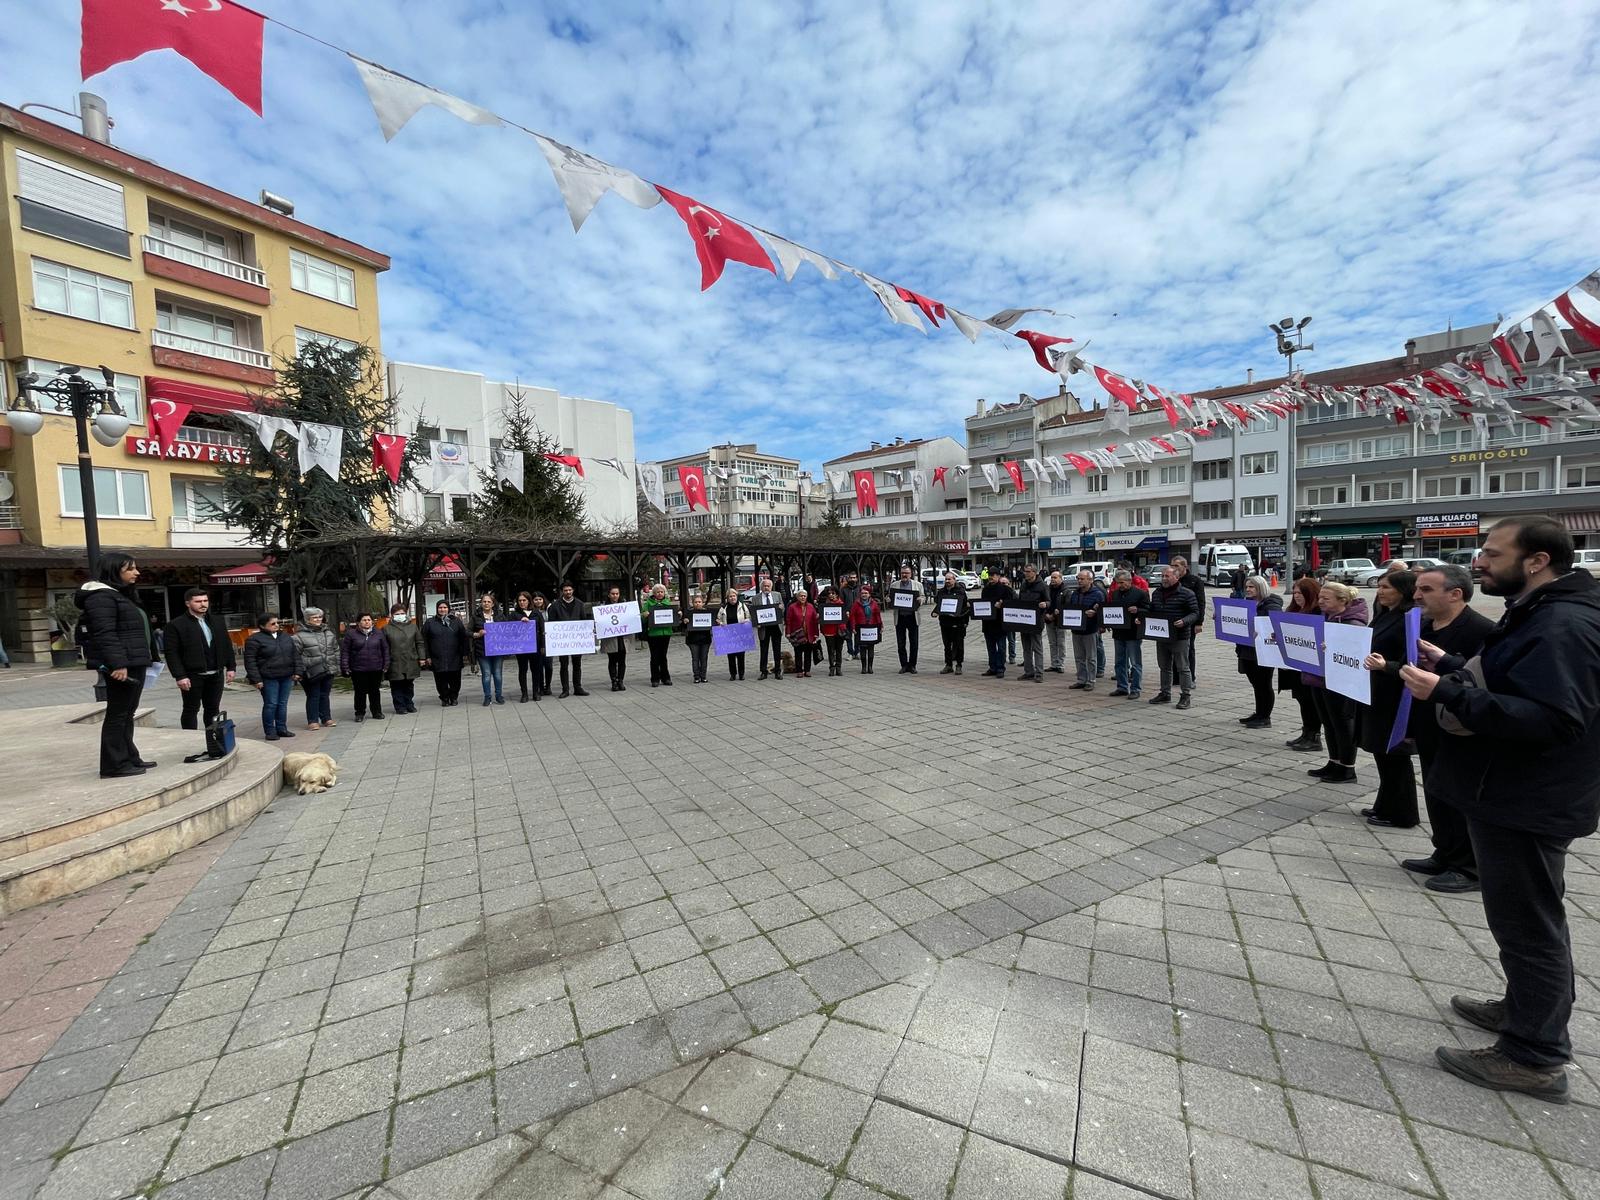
x=200, y=452
x=1451, y=525
x=955, y=547
x=1473, y=456
x=1138, y=540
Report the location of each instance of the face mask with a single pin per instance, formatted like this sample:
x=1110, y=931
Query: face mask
x=401, y=617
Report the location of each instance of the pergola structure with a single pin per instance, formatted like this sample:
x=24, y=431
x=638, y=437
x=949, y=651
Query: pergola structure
x=364, y=555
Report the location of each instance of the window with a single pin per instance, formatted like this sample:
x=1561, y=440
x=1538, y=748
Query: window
x=1583, y=477
x=1023, y=433
x=124, y=494
x=1100, y=519
x=1099, y=483
x=1520, y=431
x=1060, y=522
x=986, y=438
x=1328, y=494
x=1382, y=491
x=1258, y=506
x=1322, y=453
x=305, y=337
x=1337, y=411
x=82, y=294
x=846, y=512
x=319, y=277
x=459, y=437
x=1455, y=438
x=1138, y=518
x=1259, y=464
x=1264, y=424
x=195, y=323
x=1515, y=481
x=989, y=531
x=1174, y=514
x=433, y=507
x=1450, y=485
x=460, y=508
x=1390, y=445
x=1061, y=487
x=1176, y=474
x=891, y=506
x=199, y=500
x=1214, y=510
x=1137, y=479
x=1216, y=468
x=127, y=387
x=61, y=202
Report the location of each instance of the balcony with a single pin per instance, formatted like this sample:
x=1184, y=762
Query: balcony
x=187, y=353
x=239, y=280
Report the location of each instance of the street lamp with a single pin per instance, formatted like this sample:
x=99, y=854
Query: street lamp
x=1291, y=335
x=71, y=393
x=1308, y=519
x=1033, y=552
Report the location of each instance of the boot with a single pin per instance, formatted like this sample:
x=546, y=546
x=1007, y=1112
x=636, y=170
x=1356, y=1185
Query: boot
x=958, y=668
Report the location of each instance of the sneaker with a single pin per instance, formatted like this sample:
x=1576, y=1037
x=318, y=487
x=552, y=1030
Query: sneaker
x=1161, y=698
x=1183, y=701
x=1259, y=723
x=1451, y=881
x=1485, y=1014
x=1120, y=692
x=1488, y=1068
x=1425, y=866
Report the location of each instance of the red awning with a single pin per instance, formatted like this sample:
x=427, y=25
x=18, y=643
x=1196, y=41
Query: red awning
x=197, y=396
x=1585, y=521
x=243, y=576
x=448, y=566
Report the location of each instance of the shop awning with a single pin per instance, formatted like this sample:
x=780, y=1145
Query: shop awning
x=1584, y=521
x=198, y=396
x=447, y=567
x=1372, y=529
x=243, y=576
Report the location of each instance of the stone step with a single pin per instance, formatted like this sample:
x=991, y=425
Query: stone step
x=95, y=714
x=254, y=777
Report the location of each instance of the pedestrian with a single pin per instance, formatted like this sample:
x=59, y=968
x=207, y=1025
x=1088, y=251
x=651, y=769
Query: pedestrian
x=1443, y=593
x=848, y=595
x=1011, y=634
x=1125, y=608
x=122, y=646
x=767, y=615
x=733, y=612
x=697, y=622
x=364, y=657
x=835, y=632
x=657, y=638
x=1526, y=772
x=905, y=597
x=1337, y=714
x=803, y=628
x=1395, y=565
x=1087, y=601
x=996, y=594
x=1035, y=596
x=1303, y=599
x=569, y=608
x=269, y=665
x=1259, y=592
x=954, y=610
x=615, y=647
x=316, y=661
x=406, y=652
x=1395, y=806
x=1177, y=606
x=1055, y=625
x=542, y=659
x=1196, y=585
x=1237, y=578
x=200, y=657
x=866, y=618
x=448, y=646
x=528, y=663
x=491, y=667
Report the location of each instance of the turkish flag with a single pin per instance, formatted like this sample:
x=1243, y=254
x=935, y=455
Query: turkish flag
x=1586, y=329
x=1167, y=405
x=866, y=491
x=219, y=37
x=1316, y=554
x=568, y=460
x=1040, y=343
x=931, y=309
x=1014, y=469
x=1083, y=464
x=938, y=477
x=693, y=482
x=166, y=418
x=388, y=453
x=717, y=239
x=1163, y=444
x=1119, y=387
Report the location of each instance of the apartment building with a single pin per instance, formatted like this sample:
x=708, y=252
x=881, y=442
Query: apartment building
x=910, y=504
x=746, y=488
x=187, y=294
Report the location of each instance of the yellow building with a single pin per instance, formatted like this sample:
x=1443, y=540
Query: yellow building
x=188, y=294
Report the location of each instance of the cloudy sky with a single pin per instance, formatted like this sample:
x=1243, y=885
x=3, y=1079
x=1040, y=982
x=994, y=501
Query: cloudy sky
x=1174, y=176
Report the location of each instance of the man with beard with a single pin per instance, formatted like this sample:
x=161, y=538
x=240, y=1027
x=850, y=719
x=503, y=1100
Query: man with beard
x=1526, y=774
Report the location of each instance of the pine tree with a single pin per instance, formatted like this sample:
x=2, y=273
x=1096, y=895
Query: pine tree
x=549, y=494
x=833, y=522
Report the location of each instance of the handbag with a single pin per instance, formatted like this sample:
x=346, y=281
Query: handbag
x=220, y=736
x=1470, y=675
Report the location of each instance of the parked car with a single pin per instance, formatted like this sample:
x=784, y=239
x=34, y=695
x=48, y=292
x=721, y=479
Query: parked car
x=1102, y=570
x=1587, y=560
x=1461, y=558
x=1345, y=570
x=1415, y=565
x=968, y=580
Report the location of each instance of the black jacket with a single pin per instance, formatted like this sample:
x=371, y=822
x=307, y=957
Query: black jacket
x=1533, y=762
x=1377, y=717
x=119, y=630
x=269, y=657
x=999, y=594
x=1057, y=591
x=447, y=643
x=1180, y=604
x=1462, y=638
x=1088, y=603
x=1135, y=604
x=187, y=652
x=1198, y=586
x=570, y=610
x=1031, y=596
x=963, y=613
x=1247, y=654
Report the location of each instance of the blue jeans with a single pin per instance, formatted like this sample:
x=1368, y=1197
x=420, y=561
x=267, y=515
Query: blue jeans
x=275, y=704
x=1130, y=665
x=1099, y=657
x=996, y=643
x=319, y=706
x=491, y=670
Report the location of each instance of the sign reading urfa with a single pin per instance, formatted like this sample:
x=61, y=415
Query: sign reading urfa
x=201, y=452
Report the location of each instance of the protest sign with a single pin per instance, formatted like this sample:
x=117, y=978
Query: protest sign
x=1267, y=654
x=1402, y=716
x=1072, y=618
x=949, y=606
x=733, y=639
x=569, y=637
x=1155, y=627
x=1299, y=637
x=700, y=620
x=1117, y=618
x=833, y=614
x=869, y=633
x=1022, y=616
x=983, y=609
x=1235, y=620
x=767, y=614
x=904, y=599
x=1348, y=646
x=615, y=620
x=662, y=617
x=510, y=637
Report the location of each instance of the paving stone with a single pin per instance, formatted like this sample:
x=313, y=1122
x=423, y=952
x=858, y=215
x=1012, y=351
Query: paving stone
x=243, y=1179
x=851, y=1055
x=880, y=1159
x=1473, y=1169
x=680, y=1155
x=542, y=1087
x=231, y=1130
x=344, y=1094
x=431, y=1065
x=787, y=1044
x=1146, y=1149
x=1252, y=1109
x=1039, y=1115
x=763, y=1173
x=1229, y=1168
x=952, y=1023
x=441, y=1123
x=601, y=1136
x=734, y=1090
x=117, y=1167
x=630, y=1055
x=776, y=999
x=992, y=1171
x=933, y=1081
x=815, y=1119
x=1357, y=1139
x=332, y=1162
x=611, y=1005
x=143, y=1103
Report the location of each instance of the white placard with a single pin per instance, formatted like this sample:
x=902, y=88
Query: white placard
x=904, y=599
x=152, y=673
x=869, y=633
x=1072, y=618
x=949, y=606
x=1267, y=654
x=1156, y=627
x=983, y=609
x=700, y=620
x=1348, y=646
x=1117, y=617
x=615, y=620
x=1237, y=621
x=661, y=616
x=833, y=614
x=568, y=637
x=767, y=614
x=1021, y=616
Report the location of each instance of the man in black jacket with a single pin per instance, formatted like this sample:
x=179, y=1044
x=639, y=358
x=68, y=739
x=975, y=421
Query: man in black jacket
x=1033, y=594
x=1528, y=780
x=1058, y=589
x=905, y=597
x=766, y=614
x=570, y=608
x=1176, y=605
x=200, y=657
x=996, y=594
x=1196, y=585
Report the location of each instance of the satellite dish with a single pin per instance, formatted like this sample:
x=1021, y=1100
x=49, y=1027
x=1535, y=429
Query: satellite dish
x=7, y=488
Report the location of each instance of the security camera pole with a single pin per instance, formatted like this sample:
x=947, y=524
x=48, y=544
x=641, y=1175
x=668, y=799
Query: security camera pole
x=1291, y=341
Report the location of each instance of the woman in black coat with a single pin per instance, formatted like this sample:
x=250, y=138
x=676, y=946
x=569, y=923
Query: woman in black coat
x=121, y=644
x=1396, y=803
x=1259, y=591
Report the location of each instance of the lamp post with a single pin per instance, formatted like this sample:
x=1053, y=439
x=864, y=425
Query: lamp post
x=71, y=393
x=1310, y=519
x=1033, y=552
x=1291, y=335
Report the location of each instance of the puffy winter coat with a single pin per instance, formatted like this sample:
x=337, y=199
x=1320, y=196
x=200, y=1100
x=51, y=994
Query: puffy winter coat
x=360, y=651
x=269, y=656
x=406, y=649
x=316, y=652
x=119, y=630
x=447, y=643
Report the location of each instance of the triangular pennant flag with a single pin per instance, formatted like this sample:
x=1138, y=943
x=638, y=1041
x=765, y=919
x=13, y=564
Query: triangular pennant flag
x=166, y=418
x=969, y=326
x=792, y=254
x=509, y=468
x=584, y=179
x=223, y=39
x=268, y=428
x=992, y=474
x=1118, y=387
x=919, y=487
x=838, y=482
x=938, y=477
x=1058, y=467
x=899, y=311
x=1163, y=445
x=1117, y=417
x=1014, y=469
x=718, y=239
x=1007, y=317
x=1038, y=468
x=723, y=473
x=321, y=446
x=931, y=309
x=397, y=99
x=389, y=454
x=1084, y=465
x=616, y=464
x=1041, y=342
x=567, y=460
x=1582, y=325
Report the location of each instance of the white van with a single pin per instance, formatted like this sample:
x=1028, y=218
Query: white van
x=1102, y=571
x=1215, y=562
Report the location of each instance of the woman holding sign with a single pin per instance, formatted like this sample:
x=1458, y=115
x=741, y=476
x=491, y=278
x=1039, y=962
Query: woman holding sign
x=835, y=629
x=733, y=612
x=658, y=621
x=1259, y=591
x=615, y=647
x=697, y=624
x=1338, y=602
x=491, y=667
x=955, y=610
x=1396, y=803
x=803, y=630
x=529, y=663
x=1303, y=599
x=866, y=618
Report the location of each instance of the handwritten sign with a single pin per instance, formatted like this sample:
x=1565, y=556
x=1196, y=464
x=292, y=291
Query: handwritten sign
x=1235, y=620
x=510, y=637
x=569, y=637
x=1348, y=646
x=1155, y=627
x=833, y=614
x=733, y=639
x=767, y=614
x=1114, y=617
x=1072, y=618
x=983, y=609
x=662, y=617
x=615, y=620
x=1299, y=637
x=869, y=633
x=699, y=620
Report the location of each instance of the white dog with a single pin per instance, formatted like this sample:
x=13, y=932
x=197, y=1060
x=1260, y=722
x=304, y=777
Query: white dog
x=307, y=773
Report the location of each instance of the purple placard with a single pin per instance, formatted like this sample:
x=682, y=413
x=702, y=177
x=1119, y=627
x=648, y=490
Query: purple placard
x=1301, y=628
x=733, y=639
x=510, y=637
x=1402, y=715
x=1243, y=613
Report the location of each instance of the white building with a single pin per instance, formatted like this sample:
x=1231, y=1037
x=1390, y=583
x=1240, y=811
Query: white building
x=938, y=513
x=1242, y=480
x=464, y=408
x=760, y=491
